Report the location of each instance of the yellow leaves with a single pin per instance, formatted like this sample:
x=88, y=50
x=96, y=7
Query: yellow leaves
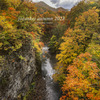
x=82, y=77
x=18, y=45
x=4, y=23
x=68, y=32
x=13, y=3
x=83, y=73
x=92, y=2
x=10, y=15
x=37, y=46
x=74, y=40
x=59, y=76
x=94, y=48
x=2, y=61
x=12, y=39
x=88, y=18
x=1, y=44
x=22, y=58
x=36, y=42
x=97, y=10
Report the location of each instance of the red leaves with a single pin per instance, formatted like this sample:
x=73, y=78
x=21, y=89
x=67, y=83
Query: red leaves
x=33, y=34
x=11, y=9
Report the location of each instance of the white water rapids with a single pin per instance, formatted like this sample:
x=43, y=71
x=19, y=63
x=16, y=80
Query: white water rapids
x=47, y=72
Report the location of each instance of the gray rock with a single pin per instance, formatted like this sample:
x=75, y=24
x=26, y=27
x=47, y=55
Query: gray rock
x=16, y=75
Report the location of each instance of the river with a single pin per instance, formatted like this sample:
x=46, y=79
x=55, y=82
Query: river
x=52, y=88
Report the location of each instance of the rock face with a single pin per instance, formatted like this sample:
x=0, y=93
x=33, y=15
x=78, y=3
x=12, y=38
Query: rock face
x=17, y=73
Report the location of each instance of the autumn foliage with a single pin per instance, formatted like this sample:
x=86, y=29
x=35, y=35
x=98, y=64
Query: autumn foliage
x=76, y=40
x=77, y=70
x=83, y=80
x=14, y=33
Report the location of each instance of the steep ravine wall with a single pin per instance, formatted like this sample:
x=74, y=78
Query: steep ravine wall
x=17, y=73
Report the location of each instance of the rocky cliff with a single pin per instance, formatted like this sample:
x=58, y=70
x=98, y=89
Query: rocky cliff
x=17, y=72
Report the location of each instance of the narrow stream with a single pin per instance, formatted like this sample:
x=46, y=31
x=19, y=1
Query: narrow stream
x=52, y=89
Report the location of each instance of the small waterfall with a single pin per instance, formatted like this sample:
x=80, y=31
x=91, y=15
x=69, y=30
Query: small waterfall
x=47, y=72
x=49, y=69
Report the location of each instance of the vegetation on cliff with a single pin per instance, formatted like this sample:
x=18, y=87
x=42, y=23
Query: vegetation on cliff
x=18, y=36
x=73, y=36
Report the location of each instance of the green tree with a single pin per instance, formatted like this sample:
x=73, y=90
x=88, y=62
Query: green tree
x=76, y=11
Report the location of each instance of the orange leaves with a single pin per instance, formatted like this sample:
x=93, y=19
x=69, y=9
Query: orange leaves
x=11, y=9
x=13, y=17
x=11, y=23
x=10, y=14
x=86, y=55
x=82, y=79
x=43, y=56
x=90, y=95
x=76, y=40
x=3, y=13
x=63, y=98
x=17, y=12
x=8, y=17
x=33, y=34
x=37, y=44
x=75, y=98
x=41, y=43
x=68, y=32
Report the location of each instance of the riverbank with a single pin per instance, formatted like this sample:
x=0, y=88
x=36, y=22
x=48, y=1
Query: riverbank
x=52, y=88
x=39, y=90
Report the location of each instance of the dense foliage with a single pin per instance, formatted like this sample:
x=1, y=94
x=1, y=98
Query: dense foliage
x=76, y=11
x=74, y=36
x=77, y=69
x=76, y=40
x=82, y=81
x=16, y=32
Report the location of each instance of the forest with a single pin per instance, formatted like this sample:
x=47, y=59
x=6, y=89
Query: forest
x=73, y=37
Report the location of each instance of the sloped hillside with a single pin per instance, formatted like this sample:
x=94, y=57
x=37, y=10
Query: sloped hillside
x=43, y=7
